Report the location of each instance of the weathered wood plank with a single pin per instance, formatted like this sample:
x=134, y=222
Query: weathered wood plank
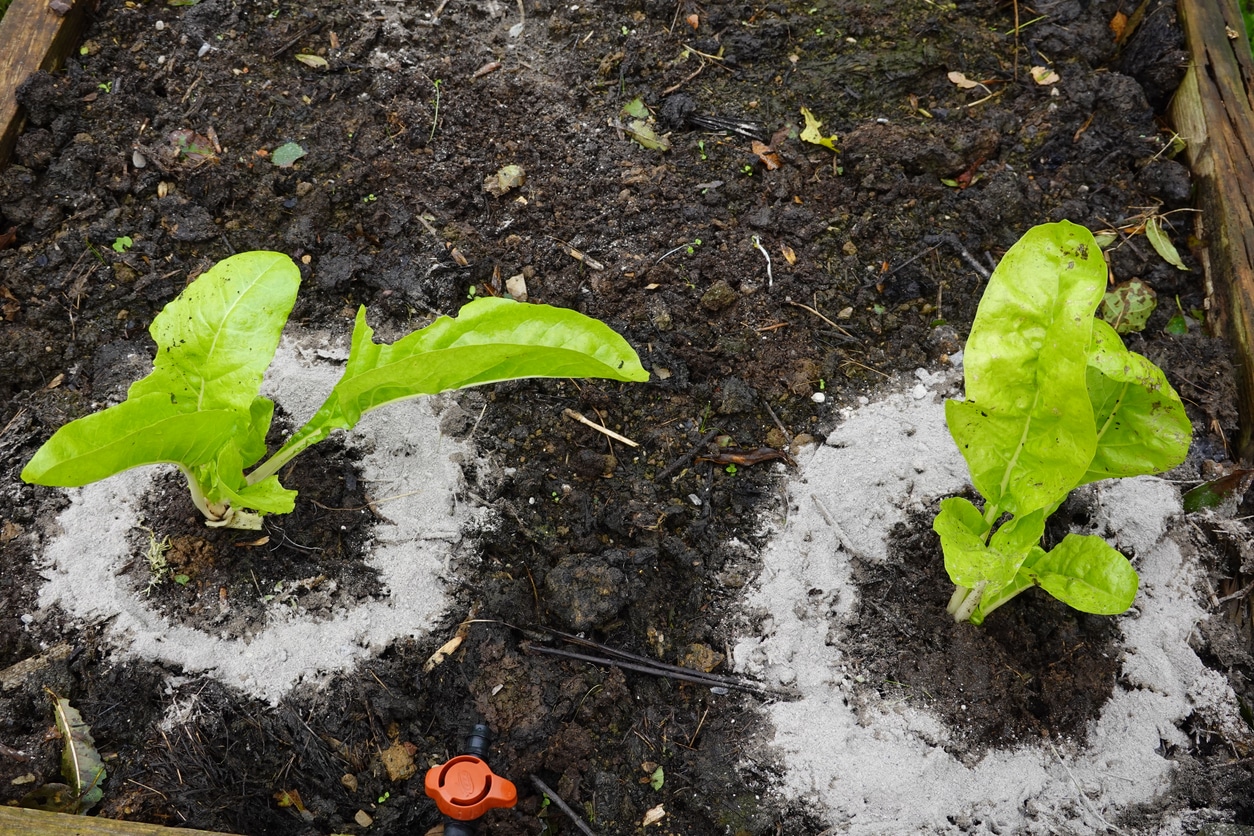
x=1213, y=112
x=33, y=37
x=18, y=822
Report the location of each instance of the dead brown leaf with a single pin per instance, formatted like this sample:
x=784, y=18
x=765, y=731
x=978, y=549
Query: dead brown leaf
x=11, y=307
x=1118, y=24
x=746, y=457
x=767, y=155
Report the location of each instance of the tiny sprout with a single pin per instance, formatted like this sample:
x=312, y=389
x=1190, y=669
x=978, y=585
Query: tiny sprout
x=370, y=198
x=384, y=797
x=122, y=243
x=731, y=469
x=106, y=86
x=747, y=169
x=701, y=149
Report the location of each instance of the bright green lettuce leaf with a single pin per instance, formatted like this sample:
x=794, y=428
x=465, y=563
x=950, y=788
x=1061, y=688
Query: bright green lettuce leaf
x=1026, y=428
x=230, y=486
x=251, y=442
x=200, y=402
x=1142, y=427
x=226, y=326
x=1023, y=580
x=1085, y=572
x=200, y=409
x=490, y=340
x=149, y=429
x=962, y=530
x=988, y=567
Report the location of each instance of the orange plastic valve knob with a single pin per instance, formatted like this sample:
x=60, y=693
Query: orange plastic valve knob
x=465, y=788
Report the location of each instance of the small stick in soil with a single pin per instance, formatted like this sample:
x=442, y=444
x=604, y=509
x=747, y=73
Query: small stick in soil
x=830, y=520
x=575, y=416
x=299, y=37
x=717, y=679
x=10, y=752
x=490, y=67
x=686, y=458
x=825, y=319
x=912, y=259
x=562, y=805
x=13, y=421
x=1240, y=593
x=778, y=423
x=578, y=255
x=1083, y=797
x=686, y=78
x=663, y=670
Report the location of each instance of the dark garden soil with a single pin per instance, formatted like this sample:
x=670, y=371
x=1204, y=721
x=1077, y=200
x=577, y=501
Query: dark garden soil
x=160, y=130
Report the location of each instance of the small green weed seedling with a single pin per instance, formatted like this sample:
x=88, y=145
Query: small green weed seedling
x=1053, y=401
x=122, y=243
x=201, y=408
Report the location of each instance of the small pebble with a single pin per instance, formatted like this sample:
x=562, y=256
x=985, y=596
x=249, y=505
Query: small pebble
x=160, y=25
x=919, y=392
x=28, y=619
x=694, y=499
x=818, y=397
x=204, y=50
x=138, y=160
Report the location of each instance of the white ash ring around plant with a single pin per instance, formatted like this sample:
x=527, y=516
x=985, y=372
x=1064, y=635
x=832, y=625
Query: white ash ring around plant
x=405, y=460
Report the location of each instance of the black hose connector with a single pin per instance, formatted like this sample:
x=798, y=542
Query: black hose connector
x=479, y=740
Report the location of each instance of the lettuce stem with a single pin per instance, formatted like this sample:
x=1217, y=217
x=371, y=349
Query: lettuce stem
x=212, y=512
x=967, y=602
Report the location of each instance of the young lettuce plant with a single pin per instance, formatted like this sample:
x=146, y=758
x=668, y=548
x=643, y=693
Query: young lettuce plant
x=201, y=409
x=1053, y=401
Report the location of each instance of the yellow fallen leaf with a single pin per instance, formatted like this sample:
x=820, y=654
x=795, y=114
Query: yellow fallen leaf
x=1044, y=76
x=962, y=81
x=790, y=255
x=315, y=61
x=812, y=134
